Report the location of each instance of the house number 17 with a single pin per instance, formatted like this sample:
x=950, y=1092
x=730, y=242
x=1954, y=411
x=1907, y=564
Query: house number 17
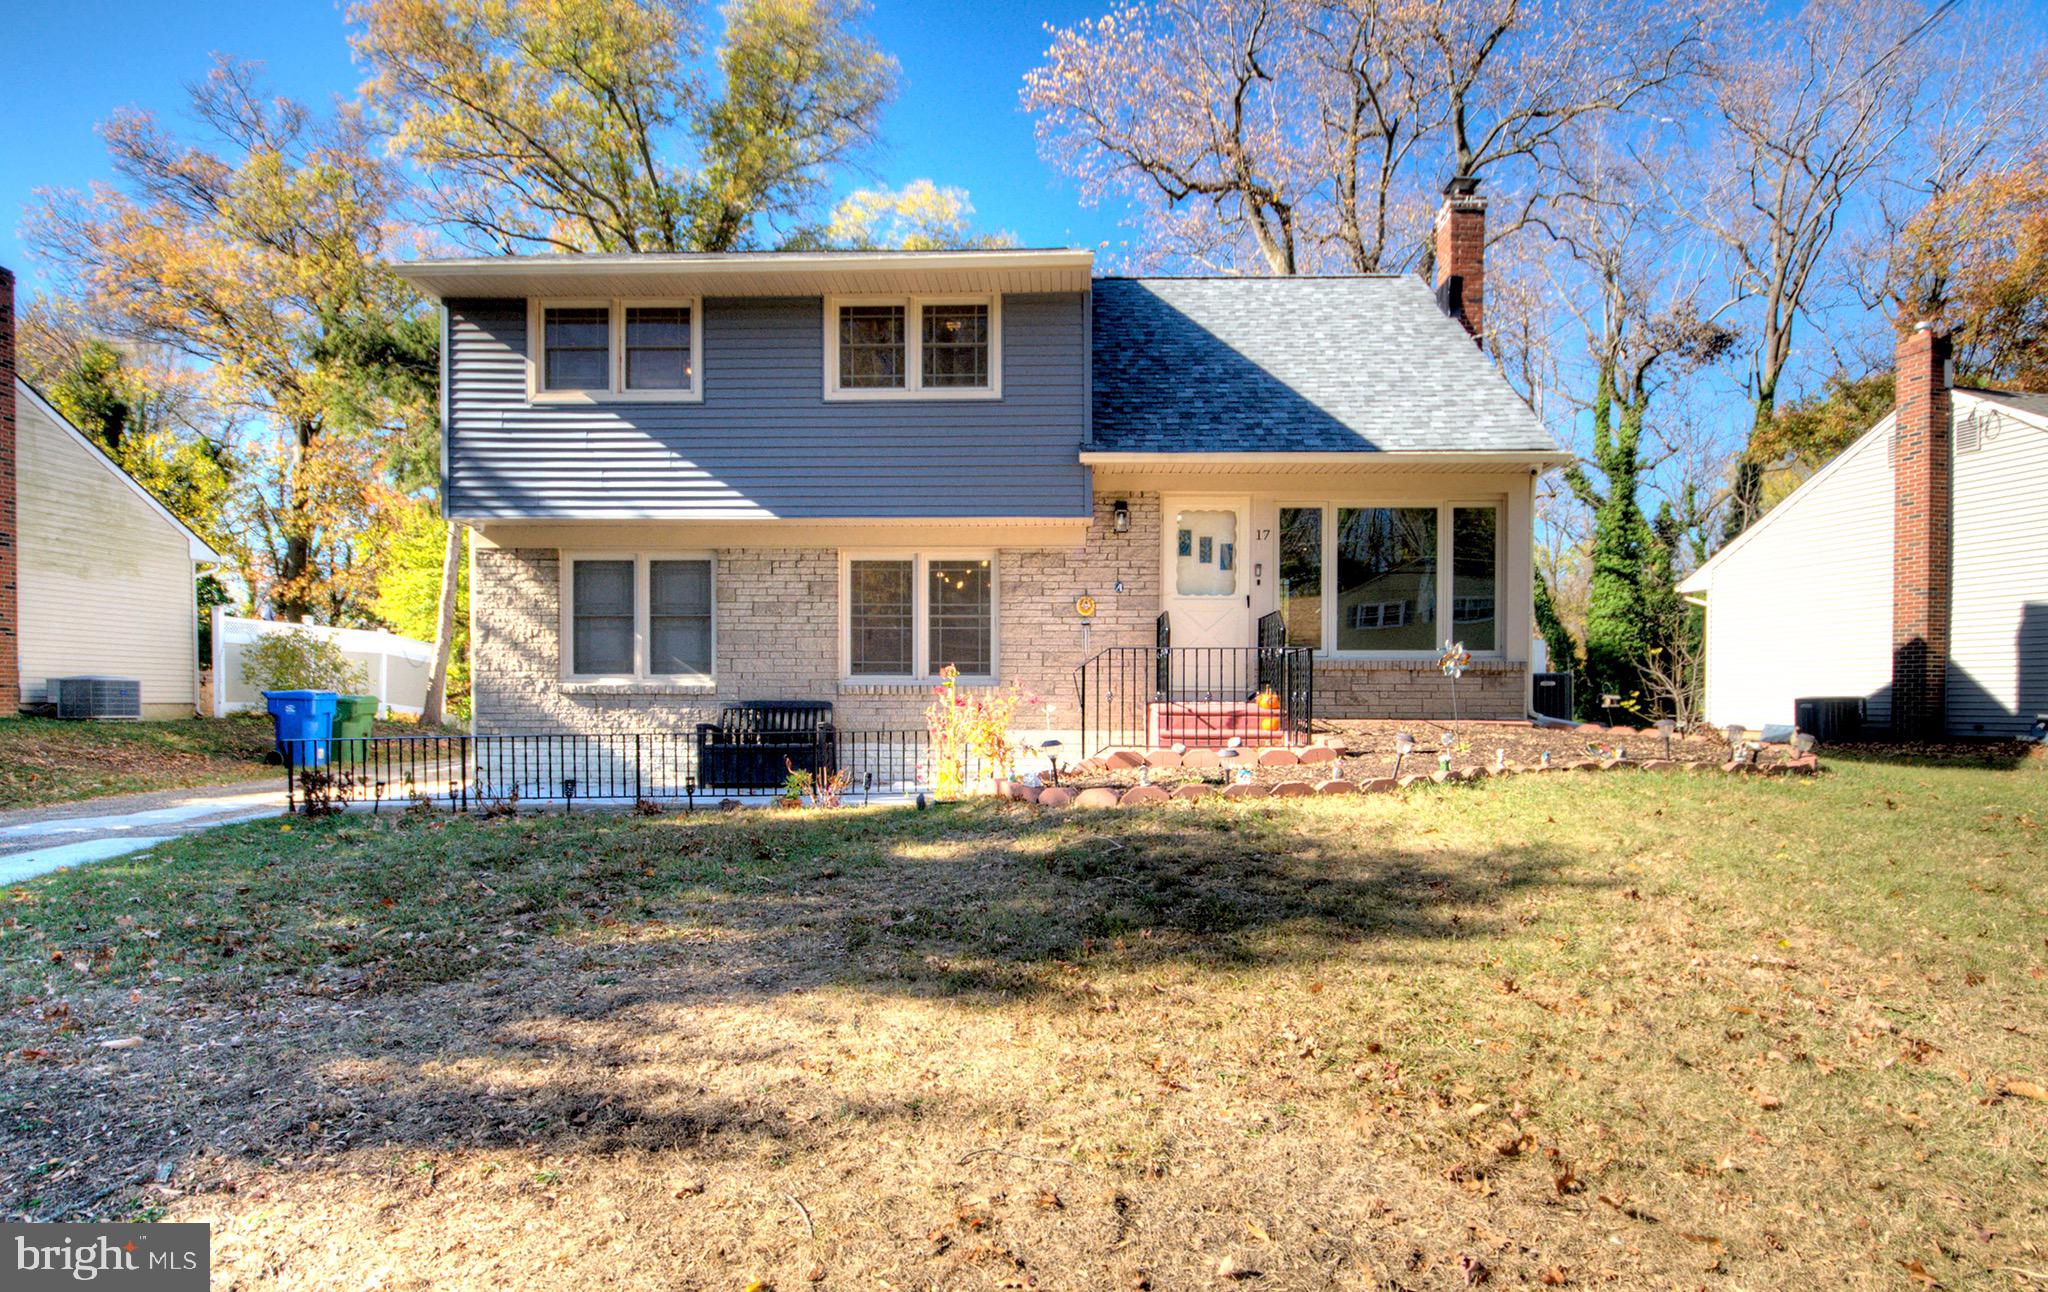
x=1264, y=535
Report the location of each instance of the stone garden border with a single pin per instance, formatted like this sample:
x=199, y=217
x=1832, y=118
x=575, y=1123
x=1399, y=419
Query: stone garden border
x=1103, y=796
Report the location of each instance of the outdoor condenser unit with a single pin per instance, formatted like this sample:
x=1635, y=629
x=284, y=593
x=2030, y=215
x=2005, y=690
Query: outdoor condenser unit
x=1830, y=719
x=101, y=698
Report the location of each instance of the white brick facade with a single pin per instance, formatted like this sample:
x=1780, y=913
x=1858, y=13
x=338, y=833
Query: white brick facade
x=778, y=637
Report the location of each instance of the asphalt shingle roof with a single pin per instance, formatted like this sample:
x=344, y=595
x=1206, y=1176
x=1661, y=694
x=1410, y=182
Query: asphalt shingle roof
x=1237, y=365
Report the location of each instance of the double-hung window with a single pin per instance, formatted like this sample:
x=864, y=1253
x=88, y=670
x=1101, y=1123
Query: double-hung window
x=904, y=347
x=595, y=351
x=637, y=617
x=909, y=616
x=1375, y=580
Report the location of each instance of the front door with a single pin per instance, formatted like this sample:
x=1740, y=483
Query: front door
x=1206, y=592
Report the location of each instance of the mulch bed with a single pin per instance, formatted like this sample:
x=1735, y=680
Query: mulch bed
x=1368, y=751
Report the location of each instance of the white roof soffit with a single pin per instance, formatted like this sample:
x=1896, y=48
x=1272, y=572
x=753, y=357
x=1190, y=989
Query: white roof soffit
x=753, y=273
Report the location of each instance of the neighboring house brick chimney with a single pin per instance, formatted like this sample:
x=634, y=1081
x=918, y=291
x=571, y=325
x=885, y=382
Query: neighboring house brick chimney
x=1923, y=474
x=10, y=564
x=1461, y=255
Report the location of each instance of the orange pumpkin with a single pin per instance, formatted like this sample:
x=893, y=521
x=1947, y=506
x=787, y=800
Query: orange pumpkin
x=1266, y=699
x=1270, y=723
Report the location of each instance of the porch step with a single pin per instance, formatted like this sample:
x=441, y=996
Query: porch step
x=1212, y=724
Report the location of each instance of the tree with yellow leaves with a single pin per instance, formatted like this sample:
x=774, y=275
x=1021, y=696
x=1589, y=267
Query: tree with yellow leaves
x=246, y=258
x=586, y=125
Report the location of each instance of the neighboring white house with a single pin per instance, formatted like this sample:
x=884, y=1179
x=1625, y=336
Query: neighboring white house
x=107, y=575
x=1802, y=604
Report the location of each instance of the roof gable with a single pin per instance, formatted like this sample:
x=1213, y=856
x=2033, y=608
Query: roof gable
x=2027, y=409
x=1304, y=365
x=25, y=393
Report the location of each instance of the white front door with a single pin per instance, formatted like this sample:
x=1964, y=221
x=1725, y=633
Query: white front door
x=1206, y=591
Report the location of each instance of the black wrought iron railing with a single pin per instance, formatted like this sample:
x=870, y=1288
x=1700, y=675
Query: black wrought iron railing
x=1202, y=696
x=473, y=773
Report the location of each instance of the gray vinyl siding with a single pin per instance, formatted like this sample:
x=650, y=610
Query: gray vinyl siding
x=764, y=442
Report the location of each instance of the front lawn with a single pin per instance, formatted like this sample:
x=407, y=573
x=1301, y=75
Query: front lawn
x=1621, y=1030
x=43, y=760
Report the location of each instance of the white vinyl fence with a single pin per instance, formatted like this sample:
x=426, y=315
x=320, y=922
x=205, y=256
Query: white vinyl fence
x=398, y=667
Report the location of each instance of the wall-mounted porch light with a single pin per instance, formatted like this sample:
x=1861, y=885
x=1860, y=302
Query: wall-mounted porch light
x=1120, y=516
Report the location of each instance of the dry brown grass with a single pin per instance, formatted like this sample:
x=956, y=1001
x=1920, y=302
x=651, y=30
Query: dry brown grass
x=1629, y=1031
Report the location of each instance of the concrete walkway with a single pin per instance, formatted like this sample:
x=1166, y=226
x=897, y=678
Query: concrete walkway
x=36, y=841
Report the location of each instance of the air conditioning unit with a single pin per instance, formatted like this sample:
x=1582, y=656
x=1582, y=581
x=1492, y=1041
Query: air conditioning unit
x=100, y=698
x=1831, y=720
x=1553, y=695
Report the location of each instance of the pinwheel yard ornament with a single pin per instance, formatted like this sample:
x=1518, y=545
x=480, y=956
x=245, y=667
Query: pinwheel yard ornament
x=1454, y=661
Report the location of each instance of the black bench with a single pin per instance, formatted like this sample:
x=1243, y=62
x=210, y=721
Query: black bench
x=754, y=743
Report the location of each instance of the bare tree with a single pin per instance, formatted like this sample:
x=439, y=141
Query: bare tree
x=1301, y=135
x=1807, y=116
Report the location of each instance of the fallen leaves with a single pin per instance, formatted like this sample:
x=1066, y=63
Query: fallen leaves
x=2025, y=1089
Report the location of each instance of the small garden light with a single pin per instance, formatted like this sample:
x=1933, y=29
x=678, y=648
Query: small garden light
x=1404, y=745
x=1609, y=701
x=568, y=794
x=1052, y=749
x=1803, y=743
x=1667, y=726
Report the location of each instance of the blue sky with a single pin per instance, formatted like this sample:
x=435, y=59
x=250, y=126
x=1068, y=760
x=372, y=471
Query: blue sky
x=955, y=119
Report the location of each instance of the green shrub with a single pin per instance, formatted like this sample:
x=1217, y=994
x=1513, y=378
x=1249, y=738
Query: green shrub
x=296, y=660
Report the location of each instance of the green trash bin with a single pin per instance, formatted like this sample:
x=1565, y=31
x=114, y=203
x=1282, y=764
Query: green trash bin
x=354, y=716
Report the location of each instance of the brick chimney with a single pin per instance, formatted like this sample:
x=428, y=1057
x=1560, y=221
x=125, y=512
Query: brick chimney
x=1923, y=473
x=10, y=565
x=1461, y=255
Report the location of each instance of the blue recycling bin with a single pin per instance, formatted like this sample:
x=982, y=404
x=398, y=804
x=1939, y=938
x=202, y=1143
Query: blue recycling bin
x=304, y=724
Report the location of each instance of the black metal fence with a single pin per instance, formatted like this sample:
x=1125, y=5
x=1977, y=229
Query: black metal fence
x=1156, y=696
x=474, y=773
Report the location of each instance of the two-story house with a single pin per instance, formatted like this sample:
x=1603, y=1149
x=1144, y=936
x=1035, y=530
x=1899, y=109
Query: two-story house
x=694, y=479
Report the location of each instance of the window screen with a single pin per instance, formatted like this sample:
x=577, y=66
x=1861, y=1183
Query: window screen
x=881, y=616
x=871, y=347
x=962, y=625
x=679, y=617
x=601, y=597
x=577, y=350
x=657, y=347
x=955, y=346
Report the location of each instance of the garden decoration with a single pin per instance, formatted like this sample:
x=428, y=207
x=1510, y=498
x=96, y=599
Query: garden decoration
x=1052, y=749
x=1803, y=744
x=1404, y=745
x=1500, y=760
x=1227, y=757
x=1454, y=661
x=1609, y=701
x=1667, y=726
x=1268, y=704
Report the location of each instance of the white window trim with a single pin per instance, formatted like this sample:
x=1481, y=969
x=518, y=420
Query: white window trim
x=616, y=393
x=1331, y=506
x=923, y=670
x=642, y=636
x=913, y=349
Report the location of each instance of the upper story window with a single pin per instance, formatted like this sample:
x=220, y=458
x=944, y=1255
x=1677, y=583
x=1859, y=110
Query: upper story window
x=592, y=351
x=909, y=347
